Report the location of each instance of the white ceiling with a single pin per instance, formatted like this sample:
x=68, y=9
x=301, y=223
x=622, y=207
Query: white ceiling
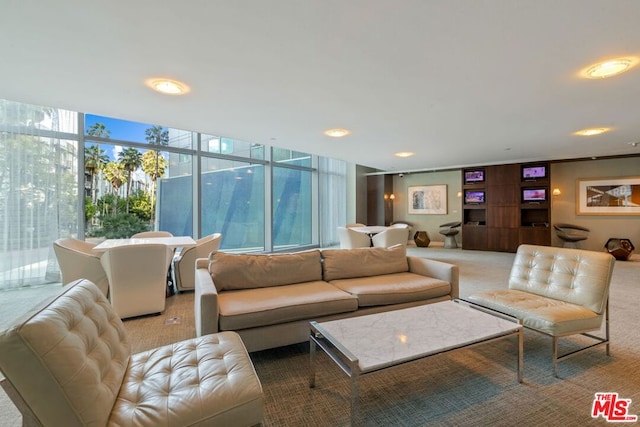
x=458, y=82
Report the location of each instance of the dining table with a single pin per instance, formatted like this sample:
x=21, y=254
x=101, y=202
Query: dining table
x=172, y=242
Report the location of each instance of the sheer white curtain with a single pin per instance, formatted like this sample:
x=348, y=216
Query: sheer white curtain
x=332, y=179
x=38, y=190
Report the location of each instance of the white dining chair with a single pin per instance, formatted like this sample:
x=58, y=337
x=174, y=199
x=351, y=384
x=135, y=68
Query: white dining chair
x=350, y=239
x=390, y=237
x=184, y=263
x=137, y=278
x=78, y=261
x=145, y=234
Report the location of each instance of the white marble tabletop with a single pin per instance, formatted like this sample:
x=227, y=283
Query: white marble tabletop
x=390, y=338
x=173, y=242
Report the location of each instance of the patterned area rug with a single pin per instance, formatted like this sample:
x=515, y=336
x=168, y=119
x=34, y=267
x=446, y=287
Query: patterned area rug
x=471, y=387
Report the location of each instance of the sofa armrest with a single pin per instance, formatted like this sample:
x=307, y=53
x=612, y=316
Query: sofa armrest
x=205, y=309
x=437, y=270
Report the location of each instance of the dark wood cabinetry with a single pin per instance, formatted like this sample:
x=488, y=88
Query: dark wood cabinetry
x=379, y=208
x=506, y=206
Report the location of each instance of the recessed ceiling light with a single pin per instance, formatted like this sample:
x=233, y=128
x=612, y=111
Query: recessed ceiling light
x=337, y=133
x=168, y=86
x=609, y=68
x=404, y=154
x=592, y=131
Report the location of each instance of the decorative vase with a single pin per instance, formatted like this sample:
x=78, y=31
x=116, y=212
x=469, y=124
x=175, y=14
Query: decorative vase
x=421, y=238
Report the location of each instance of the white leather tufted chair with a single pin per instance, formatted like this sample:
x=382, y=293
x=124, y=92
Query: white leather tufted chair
x=558, y=292
x=69, y=363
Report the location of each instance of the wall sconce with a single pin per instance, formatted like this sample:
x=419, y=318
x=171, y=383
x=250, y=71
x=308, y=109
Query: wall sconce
x=459, y=194
x=389, y=198
x=556, y=192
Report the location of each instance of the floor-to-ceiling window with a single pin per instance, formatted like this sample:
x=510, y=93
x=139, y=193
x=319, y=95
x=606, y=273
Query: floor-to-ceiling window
x=38, y=189
x=68, y=174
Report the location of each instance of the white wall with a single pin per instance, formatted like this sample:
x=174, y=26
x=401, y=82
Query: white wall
x=428, y=223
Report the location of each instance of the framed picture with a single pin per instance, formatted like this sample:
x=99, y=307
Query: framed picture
x=608, y=196
x=428, y=199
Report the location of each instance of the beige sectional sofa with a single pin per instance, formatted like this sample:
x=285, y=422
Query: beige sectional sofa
x=270, y=299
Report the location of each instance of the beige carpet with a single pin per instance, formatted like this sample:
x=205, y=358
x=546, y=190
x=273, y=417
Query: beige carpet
x=474, y=387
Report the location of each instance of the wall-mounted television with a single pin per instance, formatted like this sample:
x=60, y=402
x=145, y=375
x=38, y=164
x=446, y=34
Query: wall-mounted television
x=473, y=176
x=474, y=197
x=534, y=172
x=534, y=195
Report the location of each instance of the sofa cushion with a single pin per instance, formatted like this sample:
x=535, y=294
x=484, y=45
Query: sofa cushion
x=242, y=271
x=267, y=306
x=394, y=288
x=364, y=262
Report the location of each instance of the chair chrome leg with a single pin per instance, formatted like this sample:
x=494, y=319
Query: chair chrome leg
x=555, y=357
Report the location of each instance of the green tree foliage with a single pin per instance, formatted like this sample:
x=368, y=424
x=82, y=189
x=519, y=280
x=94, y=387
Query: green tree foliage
x=130, y=159
x=94, y=161
x=140, y=205
x=122, y=226
x=156, y=135
x=117, y=176
x=90, y=210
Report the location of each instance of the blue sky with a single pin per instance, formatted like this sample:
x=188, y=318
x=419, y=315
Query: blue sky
x=120, y=129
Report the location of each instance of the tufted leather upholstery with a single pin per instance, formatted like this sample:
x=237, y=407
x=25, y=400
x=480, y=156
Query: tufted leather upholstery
x=69, y=361
x=556, y=291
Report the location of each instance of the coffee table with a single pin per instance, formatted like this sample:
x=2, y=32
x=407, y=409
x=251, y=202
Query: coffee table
x=367, y=344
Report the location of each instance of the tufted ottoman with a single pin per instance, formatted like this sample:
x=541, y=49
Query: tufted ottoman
x=68, y=363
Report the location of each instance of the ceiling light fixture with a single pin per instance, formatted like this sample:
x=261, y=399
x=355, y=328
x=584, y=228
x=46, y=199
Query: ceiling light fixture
x=591, y=131
x=404, y=154
x=609, y=68
x=336, y=133
x=168, y=86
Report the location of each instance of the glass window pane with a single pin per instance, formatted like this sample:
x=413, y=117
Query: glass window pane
x=232, y=147
x=291, y=208
x=233, y=203
x=123, y=130
x=282, y=155
x=121, y=191
x=175, y=196
x=38, y=192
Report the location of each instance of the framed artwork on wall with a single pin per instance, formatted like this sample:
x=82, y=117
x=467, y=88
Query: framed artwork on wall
x=428, y=199
x=608, y=196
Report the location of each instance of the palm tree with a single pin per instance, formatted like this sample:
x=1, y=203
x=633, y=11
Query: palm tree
x=94, y=161
x=156, y=135
x=114, y=173
x=154, y=165
x=130, y=159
